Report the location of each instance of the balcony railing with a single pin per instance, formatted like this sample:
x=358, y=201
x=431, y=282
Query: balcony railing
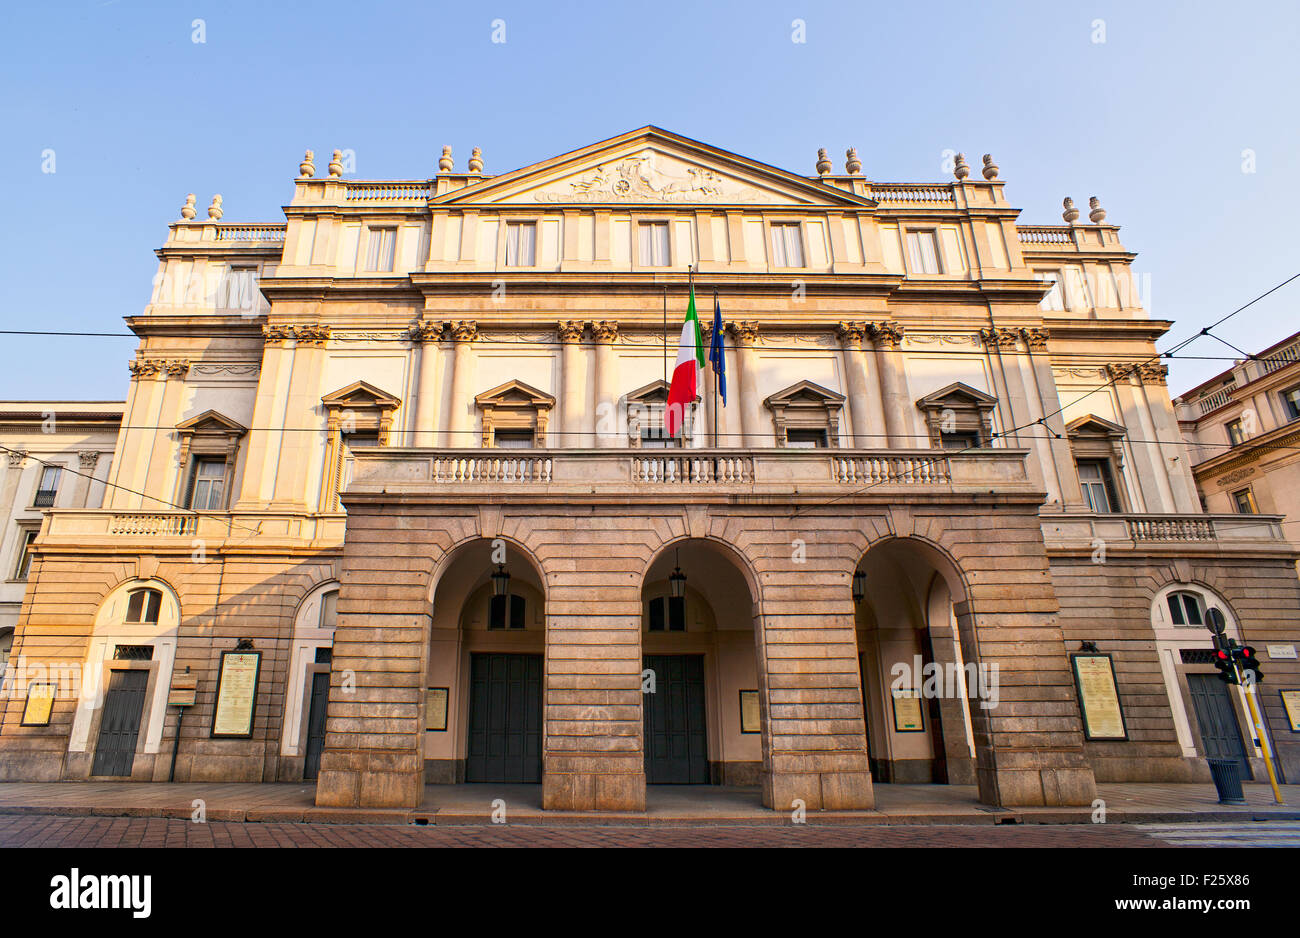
x=1139, y=530
x=178, y=530
x=411, y=191
x=1045, y=234
x=772, y=471
x=908, y=193
x=250, y=232
x=45, y=498
x=1214, y=401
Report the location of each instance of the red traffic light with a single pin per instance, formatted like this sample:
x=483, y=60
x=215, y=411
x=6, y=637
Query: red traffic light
x=1247, y=651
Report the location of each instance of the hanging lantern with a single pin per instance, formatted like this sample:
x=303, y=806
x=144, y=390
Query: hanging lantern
x=677, y=583
x=500, y=581
x=859, y=586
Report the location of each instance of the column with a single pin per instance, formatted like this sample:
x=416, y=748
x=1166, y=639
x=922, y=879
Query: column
x=262, y=441
x=1002, y=344
x=303, y=441
x=571, y=382
x=755, y=430
x=1044, y=391
x=462, y=385
x=1173, y=454
x=850, y=335
x=888, y=340
x=608, y=430
x=1154, y=484
x=425, y=424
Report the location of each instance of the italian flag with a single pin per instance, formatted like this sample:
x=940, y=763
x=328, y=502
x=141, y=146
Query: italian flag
x=686, y=373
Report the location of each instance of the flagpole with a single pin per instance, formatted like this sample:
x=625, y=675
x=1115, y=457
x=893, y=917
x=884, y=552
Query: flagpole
x=718, y=339
x=665, y=333
x=690, y=292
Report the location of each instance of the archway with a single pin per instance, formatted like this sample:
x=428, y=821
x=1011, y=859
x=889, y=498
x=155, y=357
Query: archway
x=307, y=686
x=701, y=688
x=483, y=690
x=917, y=690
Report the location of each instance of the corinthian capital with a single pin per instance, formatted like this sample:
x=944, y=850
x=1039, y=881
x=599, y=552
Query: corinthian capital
x=744, y=330
x=465, y=331
x=851, y=331
x=886, y=334
x=606, y=330
x=1035, y=338
x=427, y=331
x=570, y=330
x=1000, y=337
x=1117, y=372
x=144, y=367
x=1153, y=373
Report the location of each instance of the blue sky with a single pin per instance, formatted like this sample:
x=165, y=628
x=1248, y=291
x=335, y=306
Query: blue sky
x=1154, y=121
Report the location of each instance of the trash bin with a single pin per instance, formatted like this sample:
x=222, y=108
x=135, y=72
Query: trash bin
x=1227, y=780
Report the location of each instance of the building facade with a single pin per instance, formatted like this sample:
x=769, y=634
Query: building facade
x=1242, y=430
x=414, y=441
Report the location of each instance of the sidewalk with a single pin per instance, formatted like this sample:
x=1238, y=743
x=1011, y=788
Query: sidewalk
x=666, y=805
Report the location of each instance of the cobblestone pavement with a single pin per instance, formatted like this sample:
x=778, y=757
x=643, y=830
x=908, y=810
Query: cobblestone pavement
x=47, y=831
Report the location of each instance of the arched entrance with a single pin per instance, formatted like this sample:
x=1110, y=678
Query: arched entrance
x=700, y=687
x=917, y=690
x=483, y=687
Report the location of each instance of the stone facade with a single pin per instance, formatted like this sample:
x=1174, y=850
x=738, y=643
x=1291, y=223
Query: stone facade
x=413, y=455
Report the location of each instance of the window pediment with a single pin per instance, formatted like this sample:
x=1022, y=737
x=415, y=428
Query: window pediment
x=514, y=406
x=360, y=394
x=958, y=412
x=1094, y=427
x=806, y=406
x=209, y=433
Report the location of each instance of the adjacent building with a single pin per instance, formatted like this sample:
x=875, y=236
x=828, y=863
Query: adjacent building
x=425, y=525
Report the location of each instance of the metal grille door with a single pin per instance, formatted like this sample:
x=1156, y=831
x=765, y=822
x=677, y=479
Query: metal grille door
x=320, y=693
x=120, y=725
x=1214, y=714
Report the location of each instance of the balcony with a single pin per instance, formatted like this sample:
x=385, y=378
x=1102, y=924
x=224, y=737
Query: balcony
x=1146, y=531
x=165, y=531
x=623, y=473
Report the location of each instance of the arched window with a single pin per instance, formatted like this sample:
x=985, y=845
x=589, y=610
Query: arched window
x=143, y=605
x=1186, y=608
x=329, y=605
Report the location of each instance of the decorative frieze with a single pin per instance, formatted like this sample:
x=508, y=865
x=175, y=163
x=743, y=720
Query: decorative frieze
x=1232, y=478
x=216, y=369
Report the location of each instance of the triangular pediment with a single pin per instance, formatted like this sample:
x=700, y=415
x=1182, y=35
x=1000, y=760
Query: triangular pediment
x=656, y=392
x=806, y=393
x=515, y=393
x=652, y=167
x=360, y=394
x=957, y=394
x=1092, y=425
x=210, y=421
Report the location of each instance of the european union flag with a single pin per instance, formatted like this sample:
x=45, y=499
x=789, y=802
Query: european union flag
x=717, y=358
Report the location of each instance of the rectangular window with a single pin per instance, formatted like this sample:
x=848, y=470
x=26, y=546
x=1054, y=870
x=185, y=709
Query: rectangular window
x=207, y=484
x=1236, y=435
x=497, y=612
x=654, y=243
x=133, y=652
x=513, y=439
x=1291, y=400
x=329, y=609
x=676, y=606
x=923, y=252
x=362, y=439
x=805, y=438
x=27, y=538
x=1098, y=486
x=1054, y=301
x=143, y=605
x=787, y=245
x=958, y=440
x=380, y=249
x=48, y=488
x=1244, y=501
x=521, y=244
x=1185, y=609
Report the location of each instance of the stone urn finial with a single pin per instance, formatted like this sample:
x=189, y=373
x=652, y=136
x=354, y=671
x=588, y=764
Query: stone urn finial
x=852, y=163
x=960, y=168
x=214, y=210
x=336, y=164
x=445, y=164
x=187, y=210
x=990, y=167
x=476, y=160
x=307, y=168
x=1098, y=214
x=1071, y=214
x=823, y=162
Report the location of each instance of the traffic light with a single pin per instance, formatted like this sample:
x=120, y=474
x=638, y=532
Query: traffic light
x=1223, y=662
x=1249, y=665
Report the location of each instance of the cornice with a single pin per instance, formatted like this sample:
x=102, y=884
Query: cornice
x=1285, y=436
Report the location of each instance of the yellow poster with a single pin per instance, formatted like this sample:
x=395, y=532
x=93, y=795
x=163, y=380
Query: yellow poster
x=907, y=711
x=1098, y=697
x=1291, y=700
x=236, y=694
x=435, y=708
x=40, y=703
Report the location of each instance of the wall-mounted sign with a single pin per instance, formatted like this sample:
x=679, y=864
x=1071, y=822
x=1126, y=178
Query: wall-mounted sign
x=40, y=703
x=1094, y=680
x=1281, y=651
x=435, y=708
x=1291, y=703
x=749, y=711
x=183, y=690
x=908, y=712
x=232, y=717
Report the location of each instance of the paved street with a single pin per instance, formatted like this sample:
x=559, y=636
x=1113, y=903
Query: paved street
x=1276, y=834
x=46, y=831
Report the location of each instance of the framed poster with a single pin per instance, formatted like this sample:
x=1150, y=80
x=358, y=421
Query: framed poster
x=749, y=711
x=435, y=708
x=1291, y=704
x=232, y=717
x=1094, y=682
x=40, y=703
x=908, y=711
